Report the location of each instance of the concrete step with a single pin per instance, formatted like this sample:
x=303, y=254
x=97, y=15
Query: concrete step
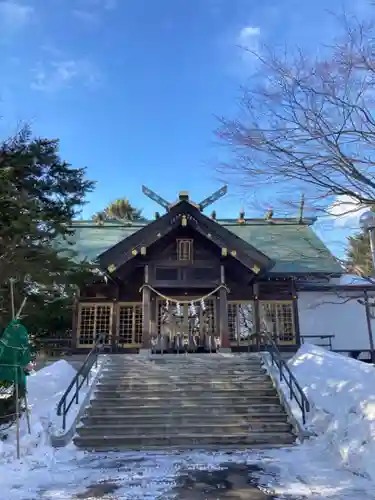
x=147, y=372
x=184, y=368
x=182, y=381
x=191, y=441
x=186, y=360
x=167, y=429
x=184, y=365
x=184, y=402
x=130, y=375
x=103, y=398
x=96, y=418
x=201, y=392
x=228, y=397
x=162, y=378
x=183, y=386
x=205, y=410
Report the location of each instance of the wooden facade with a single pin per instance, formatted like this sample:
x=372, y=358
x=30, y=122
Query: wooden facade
x=178, y=259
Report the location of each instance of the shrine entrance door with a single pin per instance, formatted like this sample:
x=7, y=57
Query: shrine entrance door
x=186, y=326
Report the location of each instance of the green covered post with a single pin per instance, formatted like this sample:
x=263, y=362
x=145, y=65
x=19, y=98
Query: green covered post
x=15, y=354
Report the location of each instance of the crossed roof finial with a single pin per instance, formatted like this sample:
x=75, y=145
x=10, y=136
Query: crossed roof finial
x=184, y=196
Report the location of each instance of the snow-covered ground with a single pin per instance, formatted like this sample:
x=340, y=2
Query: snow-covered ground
x=337, y=464
x=342, y=391
x=45, y=389
x=299, y=473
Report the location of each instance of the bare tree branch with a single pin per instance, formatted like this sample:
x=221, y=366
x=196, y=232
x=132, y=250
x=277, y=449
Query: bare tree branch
x=309, y=124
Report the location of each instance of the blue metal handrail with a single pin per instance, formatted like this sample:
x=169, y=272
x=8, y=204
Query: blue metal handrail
x=294, y=389
x=324, y=337
x=79, y=379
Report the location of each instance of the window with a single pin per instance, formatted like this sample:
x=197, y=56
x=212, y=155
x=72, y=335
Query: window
x=204, y=273
x=129, y=324
x=241, y=322
x=166, y=274
x=92, y=320
x=277, y=318
x=185, y=250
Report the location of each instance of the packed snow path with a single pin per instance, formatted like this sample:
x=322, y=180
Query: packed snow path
x=251, y=475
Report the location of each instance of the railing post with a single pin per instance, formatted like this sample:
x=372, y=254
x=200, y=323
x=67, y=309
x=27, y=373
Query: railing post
x=85, y=373
x=290, y=387
x=64, y=415
x=77, y=385
x=282, y=366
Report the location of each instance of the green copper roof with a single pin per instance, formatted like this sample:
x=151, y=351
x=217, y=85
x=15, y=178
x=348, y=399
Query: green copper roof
x=294, y=247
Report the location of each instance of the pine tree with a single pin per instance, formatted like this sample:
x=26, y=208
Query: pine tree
x=119, y=210
x=358, y=255
x=40, y=194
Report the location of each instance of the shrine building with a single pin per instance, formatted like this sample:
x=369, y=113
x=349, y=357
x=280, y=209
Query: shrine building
x=212, y=283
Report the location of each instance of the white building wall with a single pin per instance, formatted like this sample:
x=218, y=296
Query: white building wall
x=326, y=313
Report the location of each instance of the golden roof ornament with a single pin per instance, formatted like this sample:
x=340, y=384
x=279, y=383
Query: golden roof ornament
x=241, y=218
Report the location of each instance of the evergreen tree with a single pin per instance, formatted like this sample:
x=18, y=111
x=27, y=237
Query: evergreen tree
x=119, y=210
x=40, y=194
x=359, y=255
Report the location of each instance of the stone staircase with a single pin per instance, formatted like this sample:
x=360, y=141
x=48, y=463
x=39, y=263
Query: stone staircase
x=183, y=401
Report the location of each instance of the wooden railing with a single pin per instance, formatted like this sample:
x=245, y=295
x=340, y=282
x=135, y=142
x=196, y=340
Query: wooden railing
x=52, y=344
x=72, y=393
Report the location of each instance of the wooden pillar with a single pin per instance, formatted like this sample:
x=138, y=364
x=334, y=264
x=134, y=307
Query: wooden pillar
x=201, y=324
x=75, y=320
x=369, y=326
x=114, y=327
x=153, y=316
x=146, y=311
x=223, y=314
x=185, y=323
x=256, y=315
x=295, y=314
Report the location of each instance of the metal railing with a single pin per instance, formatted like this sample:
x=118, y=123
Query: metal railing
x=325, y=338
x=294, y=389
x=71, y=395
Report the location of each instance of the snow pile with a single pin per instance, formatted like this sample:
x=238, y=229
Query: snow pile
x=342, y=391
x=45, y=389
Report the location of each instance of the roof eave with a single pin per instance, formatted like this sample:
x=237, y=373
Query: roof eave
x=124, y=251
x=317, y=287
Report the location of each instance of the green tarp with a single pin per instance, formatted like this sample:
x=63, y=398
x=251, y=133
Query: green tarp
x=15, y=353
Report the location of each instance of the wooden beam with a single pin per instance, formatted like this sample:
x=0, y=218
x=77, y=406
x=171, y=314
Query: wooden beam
x=223, y=313
x=146, y=313
x=75, y=319
x=297, y=331
x=114, y=329
x=222, y=275
x=153, y=316
x=256, y=314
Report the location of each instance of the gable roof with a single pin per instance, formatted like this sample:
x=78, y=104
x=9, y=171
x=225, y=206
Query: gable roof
x=295, y=248
x=241, y=250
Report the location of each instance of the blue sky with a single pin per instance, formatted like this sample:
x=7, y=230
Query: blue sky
x=131, y=87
